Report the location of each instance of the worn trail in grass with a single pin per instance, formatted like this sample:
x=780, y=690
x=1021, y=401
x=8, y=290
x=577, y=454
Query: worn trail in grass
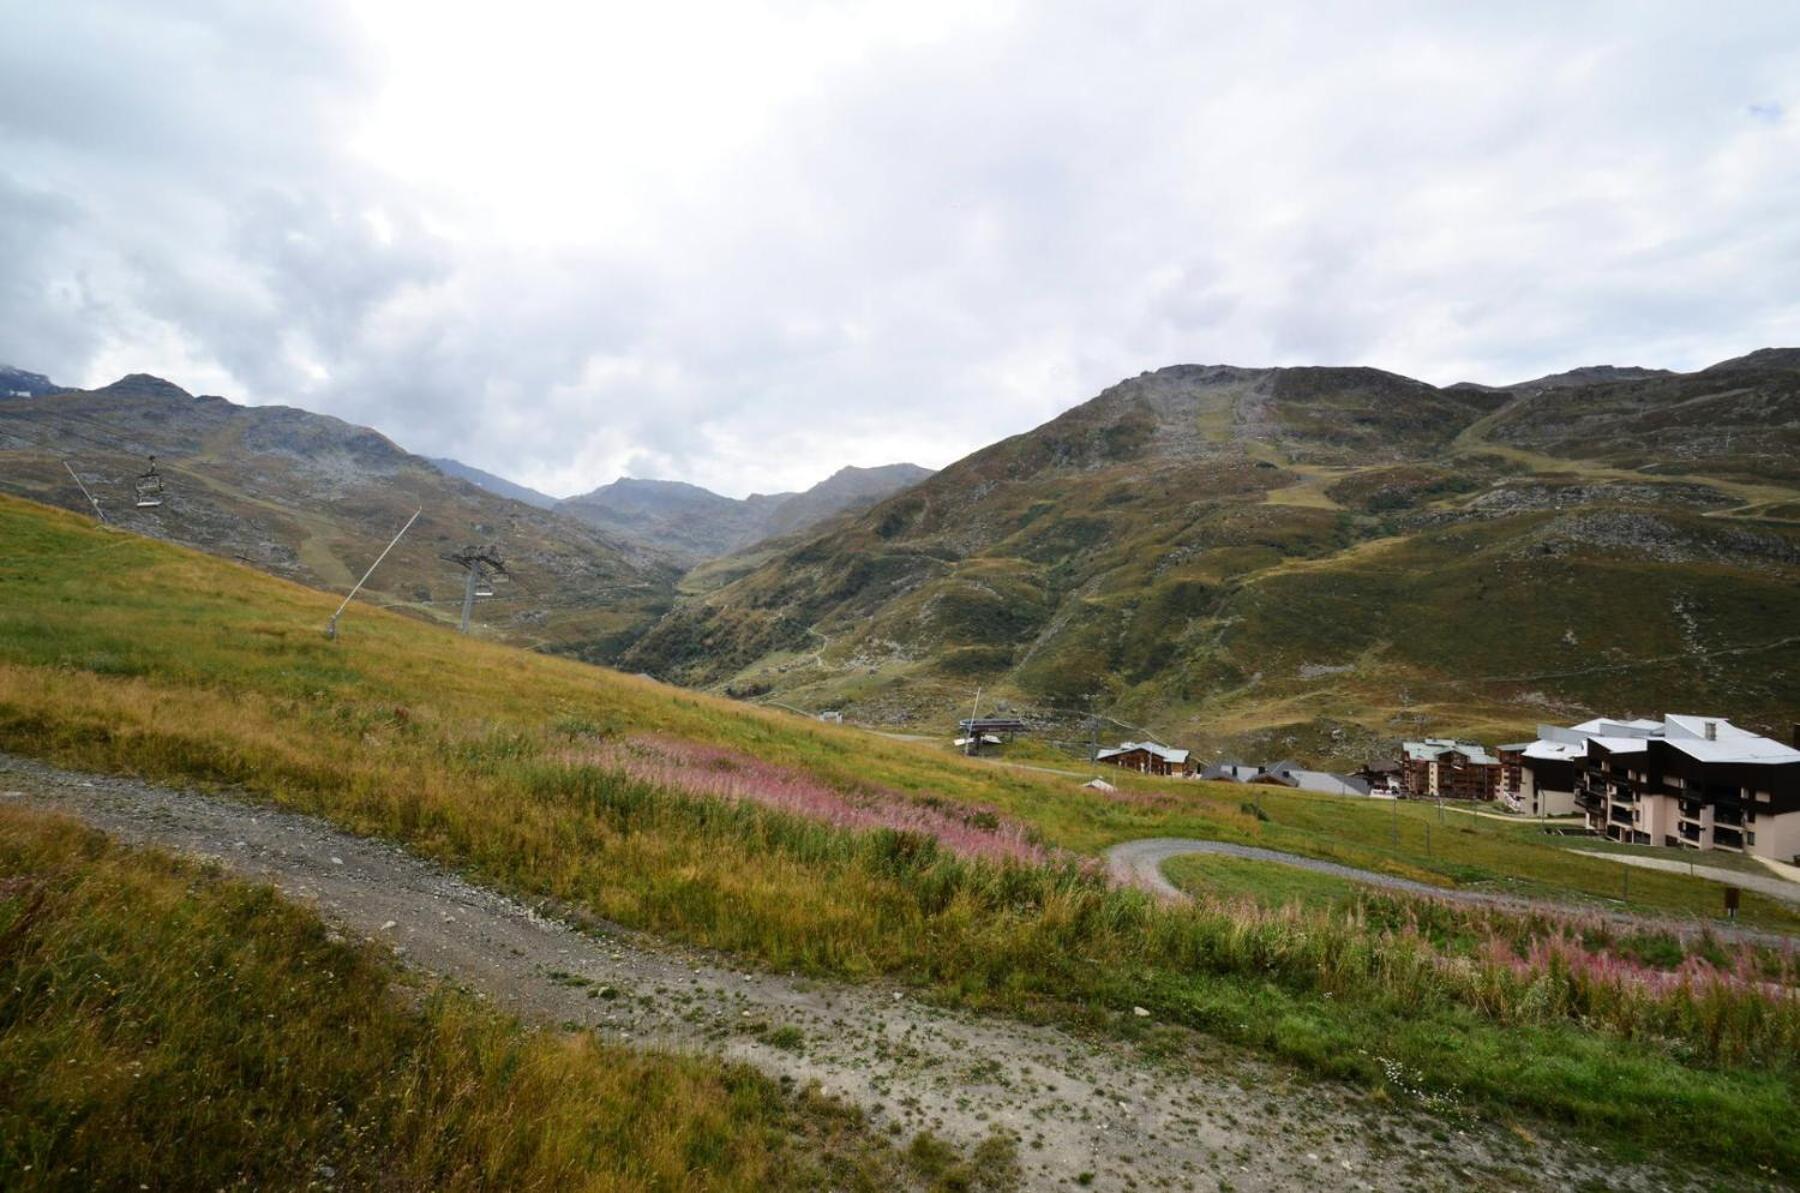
x=1145, y=1103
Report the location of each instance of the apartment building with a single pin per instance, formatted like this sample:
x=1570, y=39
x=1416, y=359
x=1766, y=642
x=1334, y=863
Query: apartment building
x=1440, y=768
x=1690, y=782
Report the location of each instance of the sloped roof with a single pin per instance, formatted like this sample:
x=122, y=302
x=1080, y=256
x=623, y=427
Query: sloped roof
x=1433, y=748
x=1327, y=783
x=1677, y=726
x=1749, y=747
x=1166, y=753
x=1679, y=731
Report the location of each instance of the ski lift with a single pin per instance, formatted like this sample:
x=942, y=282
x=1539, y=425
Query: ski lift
x=150, y=487
x=483, y=586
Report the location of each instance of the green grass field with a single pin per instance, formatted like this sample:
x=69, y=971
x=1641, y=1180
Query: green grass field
x=1268, y=883
x=121, y=654
x=163, y=1027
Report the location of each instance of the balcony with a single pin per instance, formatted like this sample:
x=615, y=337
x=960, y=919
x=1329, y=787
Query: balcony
x=1690, y=832
x=1620, y=814
x=1727, y=838
x=1729, y=816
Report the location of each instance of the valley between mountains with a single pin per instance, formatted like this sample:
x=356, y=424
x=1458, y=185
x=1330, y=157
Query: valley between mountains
x=1308, y=561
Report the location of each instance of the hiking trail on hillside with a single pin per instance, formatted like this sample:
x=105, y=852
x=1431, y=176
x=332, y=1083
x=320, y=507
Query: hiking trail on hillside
x=1171, y=1109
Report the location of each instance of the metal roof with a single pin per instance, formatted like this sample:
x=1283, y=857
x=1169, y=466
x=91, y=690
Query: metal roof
x=1432, y=748
x=1680, y=731
x=1166, y=753
x=1327, y=783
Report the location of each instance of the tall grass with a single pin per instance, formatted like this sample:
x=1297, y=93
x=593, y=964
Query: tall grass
x=534, y=773
x=166, y=1028
x=671, y=764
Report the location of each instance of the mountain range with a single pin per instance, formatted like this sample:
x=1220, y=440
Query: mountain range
x=313, y=498
x=693, y=525
x=316, y=499
x=1308, y=561
x=1305, y=560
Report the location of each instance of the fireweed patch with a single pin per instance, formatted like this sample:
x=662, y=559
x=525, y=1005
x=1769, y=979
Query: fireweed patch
x=718, y=773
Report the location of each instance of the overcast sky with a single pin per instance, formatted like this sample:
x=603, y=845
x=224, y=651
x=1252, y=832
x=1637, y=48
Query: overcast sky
x=743, y=244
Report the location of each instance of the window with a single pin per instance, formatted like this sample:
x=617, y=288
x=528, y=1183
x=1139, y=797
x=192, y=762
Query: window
x=1750, y=837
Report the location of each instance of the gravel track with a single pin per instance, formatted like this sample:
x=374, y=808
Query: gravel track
x=1169, y=1109
x=1139, y=863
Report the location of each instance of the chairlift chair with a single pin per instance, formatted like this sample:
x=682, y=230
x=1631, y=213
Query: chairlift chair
x=150, y=487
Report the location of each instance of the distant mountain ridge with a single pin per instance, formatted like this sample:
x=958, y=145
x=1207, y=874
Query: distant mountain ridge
x=314, y=498
x=693, y=524
x=17, y=383
x=494, y=484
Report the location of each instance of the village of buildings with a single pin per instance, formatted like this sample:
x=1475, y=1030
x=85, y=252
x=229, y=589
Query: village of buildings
x=1684, y=782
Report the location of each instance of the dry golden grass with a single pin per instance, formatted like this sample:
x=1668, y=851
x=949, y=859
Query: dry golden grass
x=161, y=1026
x=124, y=655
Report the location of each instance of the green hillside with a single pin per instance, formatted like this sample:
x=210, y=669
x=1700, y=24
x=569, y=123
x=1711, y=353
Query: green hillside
x=832, y=851
x=315, y=499
x=1308, y=561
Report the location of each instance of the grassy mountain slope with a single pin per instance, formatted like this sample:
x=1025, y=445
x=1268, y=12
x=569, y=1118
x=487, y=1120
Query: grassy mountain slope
x=128, y=654
x=1309, y=559
x=315, y=499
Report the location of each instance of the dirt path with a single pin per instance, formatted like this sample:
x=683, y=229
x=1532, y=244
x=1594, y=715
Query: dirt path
x=1170, y=1111
x=1139, y=864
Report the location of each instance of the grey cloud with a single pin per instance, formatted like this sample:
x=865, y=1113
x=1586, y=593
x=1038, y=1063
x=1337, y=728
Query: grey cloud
x=1001, y=222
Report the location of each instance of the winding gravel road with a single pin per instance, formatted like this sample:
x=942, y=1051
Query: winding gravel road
x=1169, y=1110
x=1139, y=864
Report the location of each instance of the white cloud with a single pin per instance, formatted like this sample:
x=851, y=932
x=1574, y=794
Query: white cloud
x=744, y=244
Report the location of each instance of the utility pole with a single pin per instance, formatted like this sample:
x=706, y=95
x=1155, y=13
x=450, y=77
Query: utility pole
x=972, y=743
x=1093, y=736
x=331, y=626
x=92, y=500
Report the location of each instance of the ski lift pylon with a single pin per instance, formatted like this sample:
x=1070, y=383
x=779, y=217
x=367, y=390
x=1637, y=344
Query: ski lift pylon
x=150, y=487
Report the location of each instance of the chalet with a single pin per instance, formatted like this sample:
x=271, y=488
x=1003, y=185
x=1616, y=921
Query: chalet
x=1694, y=783
x=1148, y=758
x=1442, y=768
x=1381, y=778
